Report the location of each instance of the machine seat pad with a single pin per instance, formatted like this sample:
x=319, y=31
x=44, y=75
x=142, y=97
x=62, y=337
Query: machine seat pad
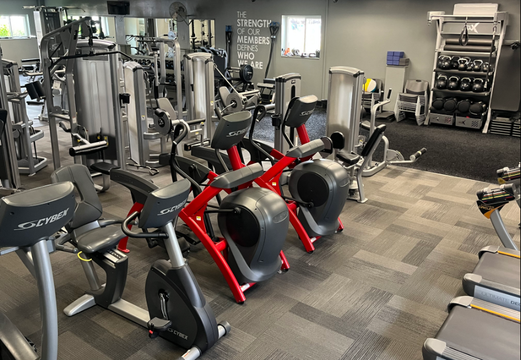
x=238, y=177
x=305, y=150
x=347, y=157
x=100, y=239
x=103, y=167
x=14, y=341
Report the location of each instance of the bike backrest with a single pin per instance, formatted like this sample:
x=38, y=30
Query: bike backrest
x=27, y=217
x=378, y=131
x=231, y=130
x=163, y=205
x=88, y=208
x=299, y=110
x=139, y=187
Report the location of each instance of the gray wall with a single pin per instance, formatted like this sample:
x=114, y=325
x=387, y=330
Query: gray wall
x=16, y=49
x=359, y=32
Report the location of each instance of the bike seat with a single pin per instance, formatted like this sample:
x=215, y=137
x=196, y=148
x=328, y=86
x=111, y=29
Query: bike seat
x=139, y=187
x=14, y=341
x=238, y=177
x=348, y=158
x=100, y=239
x=103, y=167
x=305, y=150
x=28, y=216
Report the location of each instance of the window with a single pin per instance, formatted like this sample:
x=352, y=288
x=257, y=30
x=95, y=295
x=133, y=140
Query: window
x=301, y=36
x=14, y=26
x=98, y=23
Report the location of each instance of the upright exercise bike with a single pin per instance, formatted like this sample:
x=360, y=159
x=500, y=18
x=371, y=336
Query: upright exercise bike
x=318, y=187
x=27, y=222
x=253, y=221
x=176, y=308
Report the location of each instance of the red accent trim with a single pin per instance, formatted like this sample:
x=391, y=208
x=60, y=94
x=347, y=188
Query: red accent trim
x=122, y=246
x=340, y=225
x=235, y=159
x=285, y=265
x=221, y=245
x=303, y=134
x=304, y=138
x=276, y=154
x=186, y=215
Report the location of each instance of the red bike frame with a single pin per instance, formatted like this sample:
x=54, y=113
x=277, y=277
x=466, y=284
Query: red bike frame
x=193, y=216
x=271, y=180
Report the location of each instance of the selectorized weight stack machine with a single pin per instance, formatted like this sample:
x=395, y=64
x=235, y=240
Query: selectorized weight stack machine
x=287, y=87
x=139, y=130
x=90, y=71
x=25, y=136
x=343, y=119
x=345, y=97
x=98, y=102
x=200, y=99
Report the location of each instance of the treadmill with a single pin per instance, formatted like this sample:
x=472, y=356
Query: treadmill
x=496, y=278
x=476, y=330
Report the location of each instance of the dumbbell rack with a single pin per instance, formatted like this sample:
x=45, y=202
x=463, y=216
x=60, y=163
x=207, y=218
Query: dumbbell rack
x=480, y=24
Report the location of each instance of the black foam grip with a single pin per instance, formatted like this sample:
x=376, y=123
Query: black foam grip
x=471, y=42
x=469, y=48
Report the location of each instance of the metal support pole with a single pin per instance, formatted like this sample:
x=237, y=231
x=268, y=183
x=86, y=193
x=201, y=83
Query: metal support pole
x=47, y=295
x=121, y=155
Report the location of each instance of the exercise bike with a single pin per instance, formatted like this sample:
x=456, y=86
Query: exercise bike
x=28, y=220
x=253, y=221
x=318, y=187
x=176, y=308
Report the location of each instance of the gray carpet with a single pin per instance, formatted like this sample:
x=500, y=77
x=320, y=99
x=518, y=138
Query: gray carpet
x=450, y=150
x=375, y=291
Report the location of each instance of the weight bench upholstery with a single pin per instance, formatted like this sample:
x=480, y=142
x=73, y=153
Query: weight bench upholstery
x=88, y=211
